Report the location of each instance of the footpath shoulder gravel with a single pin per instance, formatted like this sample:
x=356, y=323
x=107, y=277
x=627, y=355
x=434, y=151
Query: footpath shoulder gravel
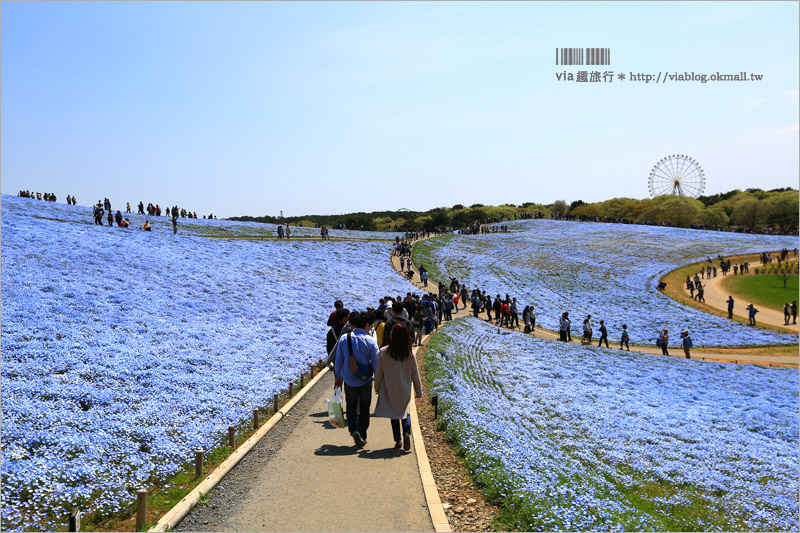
x=306, y=475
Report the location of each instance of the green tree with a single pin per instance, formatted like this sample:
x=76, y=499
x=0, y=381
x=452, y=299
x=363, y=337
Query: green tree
x=678, y=211
x=749, y=212
x=782, y=211
x=559, y=207
x=713, y=216
x=575, y=204
x=438, y=219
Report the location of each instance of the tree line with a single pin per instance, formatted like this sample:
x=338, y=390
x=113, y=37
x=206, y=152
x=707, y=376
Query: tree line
x=751, y=210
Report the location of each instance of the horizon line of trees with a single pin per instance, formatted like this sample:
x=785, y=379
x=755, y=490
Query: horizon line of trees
x=752, y=210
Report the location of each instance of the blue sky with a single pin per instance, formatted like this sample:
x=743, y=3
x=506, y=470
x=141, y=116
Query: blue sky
x=305, y=107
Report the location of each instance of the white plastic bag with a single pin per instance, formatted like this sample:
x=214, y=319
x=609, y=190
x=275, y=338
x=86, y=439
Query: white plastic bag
x=335, y=413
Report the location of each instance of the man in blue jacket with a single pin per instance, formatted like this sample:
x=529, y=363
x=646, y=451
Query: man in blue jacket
x=356, y=361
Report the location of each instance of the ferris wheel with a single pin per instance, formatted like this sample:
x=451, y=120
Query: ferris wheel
x=679, y=175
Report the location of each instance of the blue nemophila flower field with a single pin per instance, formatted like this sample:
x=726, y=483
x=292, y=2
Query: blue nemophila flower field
x=123, y=351
x=585, y=438
x=607, y=270
x=186, y=226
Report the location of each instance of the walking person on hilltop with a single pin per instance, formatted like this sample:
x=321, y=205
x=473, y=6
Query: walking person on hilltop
x=98, y=214
x=603, y=334
x=787, y=313
x=625, y=338
x=174, y=221
x=700, y=293
x=563, y=324
x=513, y=322
x=751, y=314
x=794, y=311
x=280, y=232
x=356, y=361
x=663, y=342
x=730, y=306
x=394, y=375
x=587, y=330
x=686, y=342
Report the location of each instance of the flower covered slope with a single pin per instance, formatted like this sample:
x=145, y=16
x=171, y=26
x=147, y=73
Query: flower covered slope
x=186, y=226
x=584, y=438
x=607, y=270
x=123, y=351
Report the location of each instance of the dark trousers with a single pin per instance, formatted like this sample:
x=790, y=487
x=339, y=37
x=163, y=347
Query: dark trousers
x=358, y=400
x=562, y=335
x=396, y=427
x=513, y=322
x=603, y=338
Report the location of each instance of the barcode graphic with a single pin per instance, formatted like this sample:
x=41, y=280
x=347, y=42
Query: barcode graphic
x=576, y=56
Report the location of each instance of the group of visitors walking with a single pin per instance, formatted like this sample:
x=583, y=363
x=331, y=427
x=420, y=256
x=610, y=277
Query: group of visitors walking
x=371, y=350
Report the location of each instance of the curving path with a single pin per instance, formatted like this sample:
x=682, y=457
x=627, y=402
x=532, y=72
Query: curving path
x=716, y=297
x=730, y=356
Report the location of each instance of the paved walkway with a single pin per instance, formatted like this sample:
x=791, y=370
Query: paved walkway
x=716, y=297
x=316, y=480
x=732, y=356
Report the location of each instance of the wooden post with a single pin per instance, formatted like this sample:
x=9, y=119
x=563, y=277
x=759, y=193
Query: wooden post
x=302, y=381
x=291, y=386
x=435, y=403
x=75, y=520
x=232, y=437
x=255, y=419
x=275, y=403
x=141, y=508
x=198, y=464
x=311, y=372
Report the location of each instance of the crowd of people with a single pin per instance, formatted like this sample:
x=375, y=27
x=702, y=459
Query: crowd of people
x=47, y=197
x=696, y=288
x=371, y=350
x=155, y=211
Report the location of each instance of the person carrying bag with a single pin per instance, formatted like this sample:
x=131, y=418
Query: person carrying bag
x=394, y=376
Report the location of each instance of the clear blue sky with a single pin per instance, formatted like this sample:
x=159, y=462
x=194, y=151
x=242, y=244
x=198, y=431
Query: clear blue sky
x=253, y=108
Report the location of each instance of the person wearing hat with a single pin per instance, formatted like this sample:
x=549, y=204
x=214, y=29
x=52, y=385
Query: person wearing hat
x=686, y=342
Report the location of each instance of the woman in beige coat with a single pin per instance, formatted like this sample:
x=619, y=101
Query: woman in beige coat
x=397, y=369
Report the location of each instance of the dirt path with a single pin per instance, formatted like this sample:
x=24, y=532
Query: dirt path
x=728, y=356
x=716, y=297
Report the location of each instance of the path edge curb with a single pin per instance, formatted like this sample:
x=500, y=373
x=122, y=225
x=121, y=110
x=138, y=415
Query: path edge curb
x=435, y=508
x=174, y=516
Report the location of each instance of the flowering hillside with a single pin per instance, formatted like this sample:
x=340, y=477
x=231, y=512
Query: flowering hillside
x=607, y=270
x=123, y=350
x=186, y=226
x=577, y=438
